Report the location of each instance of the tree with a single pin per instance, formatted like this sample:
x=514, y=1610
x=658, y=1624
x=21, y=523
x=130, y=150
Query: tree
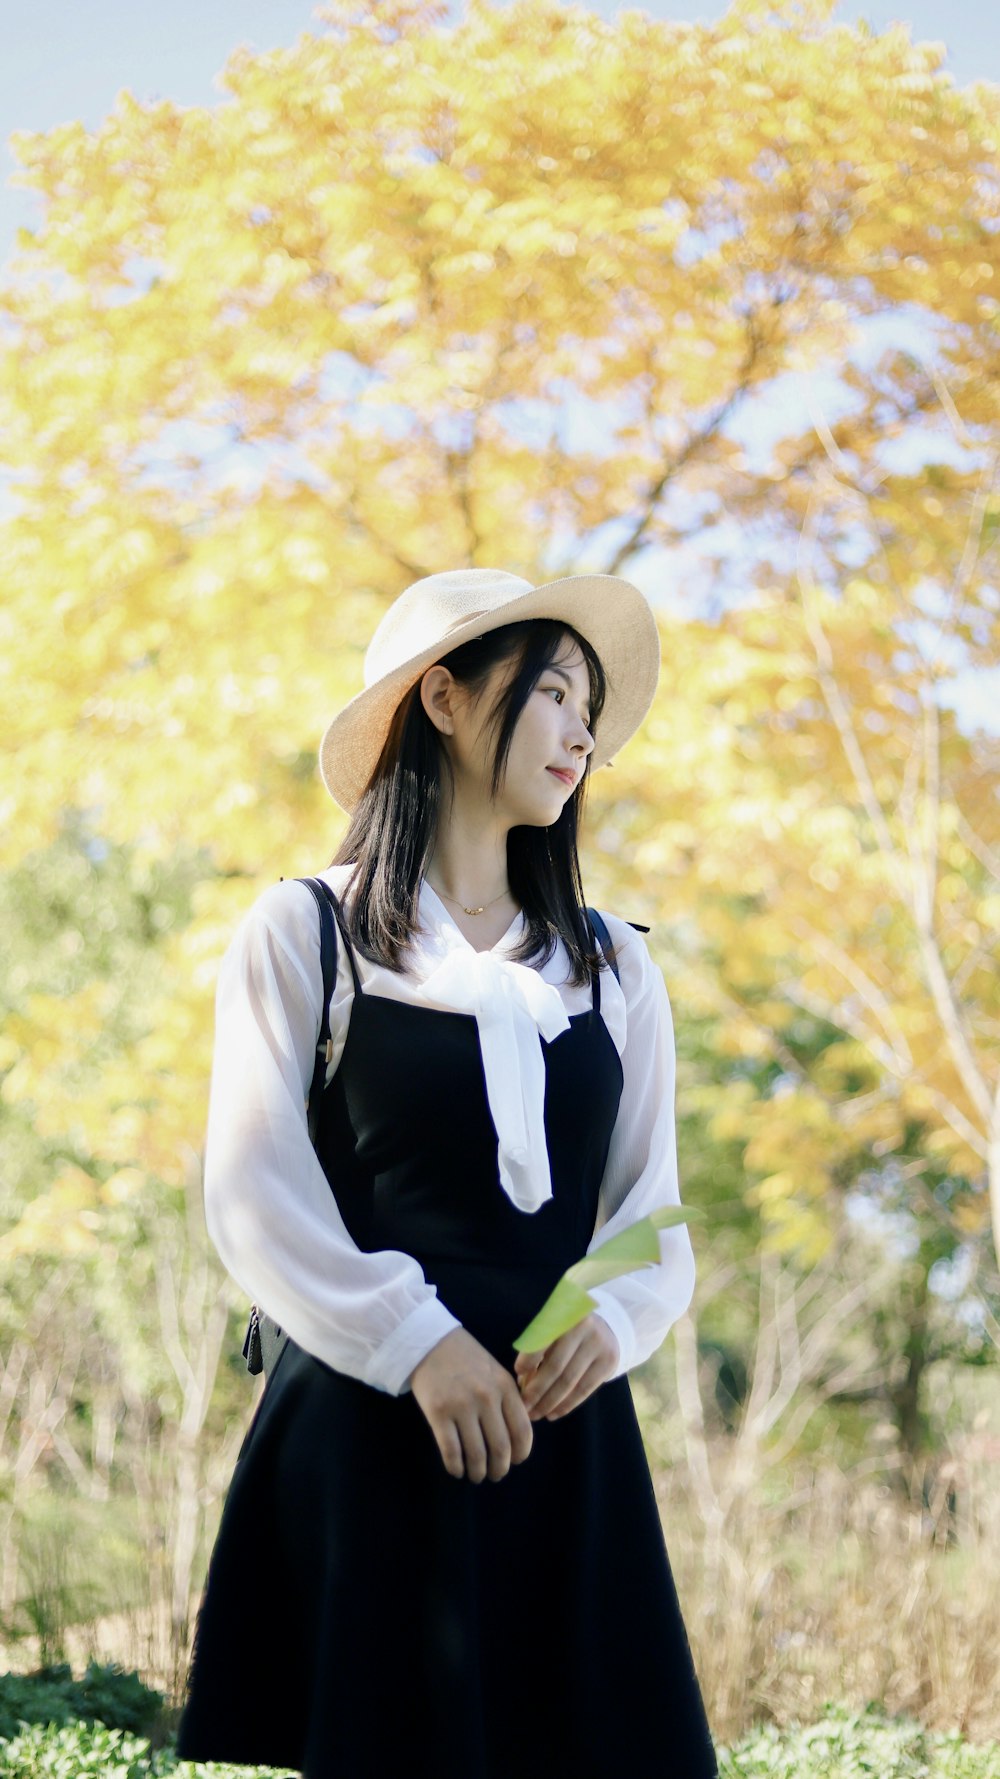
x=264, y=364
x=514, y=293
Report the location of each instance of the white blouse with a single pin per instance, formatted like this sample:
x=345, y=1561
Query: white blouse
x=269, y=1208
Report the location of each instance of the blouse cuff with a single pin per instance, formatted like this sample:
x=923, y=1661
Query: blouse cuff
x=410, y=1341
x=620, y=1323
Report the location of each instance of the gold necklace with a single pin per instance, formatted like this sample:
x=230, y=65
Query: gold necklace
x=481, y=910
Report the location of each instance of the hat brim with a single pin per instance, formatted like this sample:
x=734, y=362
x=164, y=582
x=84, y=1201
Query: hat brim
x=613, y=616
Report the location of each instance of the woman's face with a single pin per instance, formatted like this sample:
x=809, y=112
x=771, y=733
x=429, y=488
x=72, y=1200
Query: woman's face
x=549, y=747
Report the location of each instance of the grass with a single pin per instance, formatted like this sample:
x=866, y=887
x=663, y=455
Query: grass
x=834, y=1588
x=798, y=1586
x=810, y=1586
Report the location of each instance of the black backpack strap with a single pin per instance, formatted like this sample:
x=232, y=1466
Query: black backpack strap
x=265, y=1341
x=600, y=927
x=328, y=966
x=604, y=938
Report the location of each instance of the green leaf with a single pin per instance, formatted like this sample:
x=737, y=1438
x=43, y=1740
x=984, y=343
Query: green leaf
x=672, y=1214
x=570, y=1302
x=639, y=1245
x=563, y=1308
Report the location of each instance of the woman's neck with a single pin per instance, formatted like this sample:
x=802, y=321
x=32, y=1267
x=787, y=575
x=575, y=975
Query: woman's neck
x=469, y=862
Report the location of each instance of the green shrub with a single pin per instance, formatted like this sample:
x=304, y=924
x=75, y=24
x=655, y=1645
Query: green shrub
x=93, y=1751
x=843, y=1745
x=857, y=1745
x=75, y=1751
x=106, y=1695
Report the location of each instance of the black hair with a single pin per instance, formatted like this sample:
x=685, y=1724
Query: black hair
x=393, y=826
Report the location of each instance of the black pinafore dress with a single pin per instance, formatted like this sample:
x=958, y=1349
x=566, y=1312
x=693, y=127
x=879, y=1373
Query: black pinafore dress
x=366, y=1614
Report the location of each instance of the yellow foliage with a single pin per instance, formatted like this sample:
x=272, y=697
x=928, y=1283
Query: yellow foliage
x=61, y=1220
x=265, y=363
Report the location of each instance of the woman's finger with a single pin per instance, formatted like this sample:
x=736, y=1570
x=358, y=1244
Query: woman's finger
x=473, y=1445
x=552, y=1361
x=519, y=1426
x=574, y=1366
x=450, y=1447
x=497, y=1439
x=526, y=1365
x=595, y=1375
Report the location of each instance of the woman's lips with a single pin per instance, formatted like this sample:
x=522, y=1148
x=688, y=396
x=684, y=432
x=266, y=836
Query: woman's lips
x=567, y=777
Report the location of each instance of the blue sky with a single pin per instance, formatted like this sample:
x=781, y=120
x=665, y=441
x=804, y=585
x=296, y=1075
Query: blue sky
x=66, y=59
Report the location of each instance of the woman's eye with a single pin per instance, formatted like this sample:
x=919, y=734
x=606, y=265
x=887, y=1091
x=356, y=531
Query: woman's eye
x=560, y=692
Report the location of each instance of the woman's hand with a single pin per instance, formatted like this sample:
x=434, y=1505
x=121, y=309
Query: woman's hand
x=564, y=1374
x=473, y=1408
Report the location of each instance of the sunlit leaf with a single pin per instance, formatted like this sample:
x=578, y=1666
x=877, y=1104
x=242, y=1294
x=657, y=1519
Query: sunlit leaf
x=569, y=1303
x=563, y=1309
x=636, y=1246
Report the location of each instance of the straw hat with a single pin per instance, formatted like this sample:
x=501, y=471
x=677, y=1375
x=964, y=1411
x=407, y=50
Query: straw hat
x=437, y=613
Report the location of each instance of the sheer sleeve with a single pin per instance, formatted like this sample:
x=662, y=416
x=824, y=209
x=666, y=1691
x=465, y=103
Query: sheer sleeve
x=641, y=1171
x=269, y=1208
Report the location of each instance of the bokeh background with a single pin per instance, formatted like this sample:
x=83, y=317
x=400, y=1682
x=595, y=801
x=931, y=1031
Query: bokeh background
x=297, y=305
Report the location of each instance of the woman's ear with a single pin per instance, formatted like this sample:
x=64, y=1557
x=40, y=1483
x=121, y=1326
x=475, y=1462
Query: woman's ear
x=437, y=694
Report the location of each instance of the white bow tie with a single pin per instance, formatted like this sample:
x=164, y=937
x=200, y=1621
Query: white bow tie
x=514, y=1008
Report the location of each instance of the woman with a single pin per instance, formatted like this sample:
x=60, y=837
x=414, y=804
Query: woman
x=438, y=1555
